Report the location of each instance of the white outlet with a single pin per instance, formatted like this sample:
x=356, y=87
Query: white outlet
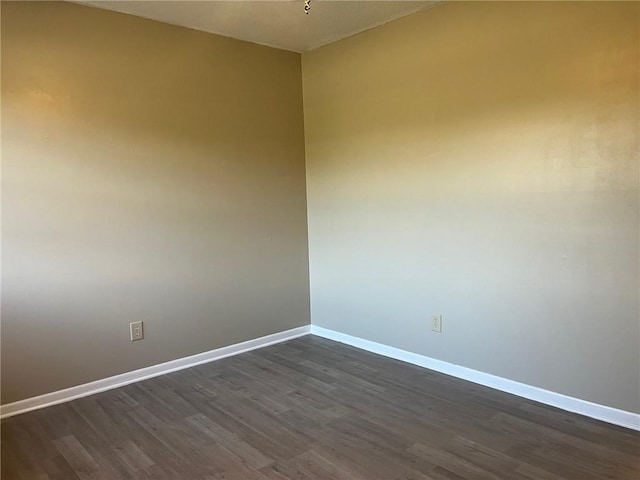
x=436, y=323
x=136, y=331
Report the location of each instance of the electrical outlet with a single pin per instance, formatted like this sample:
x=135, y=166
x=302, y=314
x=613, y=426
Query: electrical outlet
x=436, y=323
x=136, y=331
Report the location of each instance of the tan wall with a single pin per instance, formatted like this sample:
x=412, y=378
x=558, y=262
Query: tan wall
x=480, y=160
x=476, y=160
x=152, y=173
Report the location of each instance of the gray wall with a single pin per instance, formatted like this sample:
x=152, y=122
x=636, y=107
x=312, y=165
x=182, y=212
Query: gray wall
x=150, y=173
x=480, y=160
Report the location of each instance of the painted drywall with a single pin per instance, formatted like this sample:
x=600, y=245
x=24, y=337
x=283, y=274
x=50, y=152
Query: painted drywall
x=150, y=172
x=480, y=160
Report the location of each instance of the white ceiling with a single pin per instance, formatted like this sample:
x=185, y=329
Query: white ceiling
x=280, y=24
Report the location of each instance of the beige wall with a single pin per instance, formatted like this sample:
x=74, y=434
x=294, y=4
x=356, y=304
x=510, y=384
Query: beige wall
x=150, y=173
x=477, y=160
x=480, y=160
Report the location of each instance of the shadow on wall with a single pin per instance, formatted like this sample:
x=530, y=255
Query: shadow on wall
x=150, y=172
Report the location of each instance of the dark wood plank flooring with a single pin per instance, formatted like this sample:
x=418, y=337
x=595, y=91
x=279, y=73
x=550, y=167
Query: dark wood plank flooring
x=312, y=409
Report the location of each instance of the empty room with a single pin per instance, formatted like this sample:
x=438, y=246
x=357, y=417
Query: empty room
x=320, y=240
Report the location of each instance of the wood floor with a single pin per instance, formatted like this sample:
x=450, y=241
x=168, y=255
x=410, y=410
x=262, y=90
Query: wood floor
x=312, y=409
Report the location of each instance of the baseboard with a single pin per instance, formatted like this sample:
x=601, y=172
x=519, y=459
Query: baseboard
x=116, y=381
x=564, y=402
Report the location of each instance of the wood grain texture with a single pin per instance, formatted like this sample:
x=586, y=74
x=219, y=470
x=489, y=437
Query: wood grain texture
x=312, y=409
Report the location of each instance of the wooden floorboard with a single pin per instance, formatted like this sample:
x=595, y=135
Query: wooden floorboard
x=312, y=409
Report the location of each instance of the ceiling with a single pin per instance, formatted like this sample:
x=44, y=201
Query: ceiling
x=279, y=24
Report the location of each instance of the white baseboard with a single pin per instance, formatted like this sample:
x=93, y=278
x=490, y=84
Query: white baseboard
x=564, y=402
x=116, y=381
